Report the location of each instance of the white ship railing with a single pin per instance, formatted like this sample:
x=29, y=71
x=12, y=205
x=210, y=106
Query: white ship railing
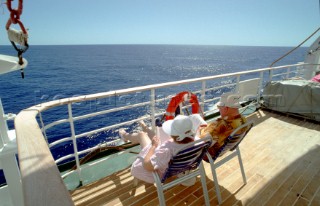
x=41, y=180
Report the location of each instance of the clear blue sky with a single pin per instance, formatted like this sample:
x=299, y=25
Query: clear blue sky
x=200, y=22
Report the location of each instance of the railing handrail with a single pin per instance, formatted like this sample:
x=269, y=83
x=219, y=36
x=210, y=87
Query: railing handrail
x=47, y=105
x=36, y=161
x=142, y=104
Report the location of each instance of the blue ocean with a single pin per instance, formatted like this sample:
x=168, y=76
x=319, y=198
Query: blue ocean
x=65, y=71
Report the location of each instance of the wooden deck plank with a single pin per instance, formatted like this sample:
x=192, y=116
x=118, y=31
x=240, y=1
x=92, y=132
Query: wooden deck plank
x=286, y=184
x=186, y=200
x=302, y=202
x=305, y=178
x=182, y=197
x=279, y=155
x=315, y=201
x=266, y=168
x=312, y=188
x=237, y=196
x=236, y=190
x=277, y=182
x=142, y=193
x=250, y=195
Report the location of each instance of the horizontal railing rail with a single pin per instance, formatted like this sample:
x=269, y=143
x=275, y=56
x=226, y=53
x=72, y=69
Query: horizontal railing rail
x=41, y=179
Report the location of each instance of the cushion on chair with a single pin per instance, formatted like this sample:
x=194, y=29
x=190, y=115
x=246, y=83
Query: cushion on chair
x=186, y=160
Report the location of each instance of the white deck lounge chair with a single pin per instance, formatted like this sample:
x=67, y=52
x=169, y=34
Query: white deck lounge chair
x=189, y=158
x=231, y=144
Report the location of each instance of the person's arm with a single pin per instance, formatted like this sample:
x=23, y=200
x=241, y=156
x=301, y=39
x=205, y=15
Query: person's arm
x=212, y=128
x=147, y=162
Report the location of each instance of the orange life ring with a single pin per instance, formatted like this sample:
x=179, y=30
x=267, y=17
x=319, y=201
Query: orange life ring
x=181, y=97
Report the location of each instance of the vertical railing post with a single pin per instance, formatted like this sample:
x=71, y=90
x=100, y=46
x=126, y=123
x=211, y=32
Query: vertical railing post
x=43, y=128
x=260, y=87
x=153, y=105
x=270, y=75
x=299, y=69
x=8, y=161
x=4, y=139
x=288, y=72
x=74, y=141
x=203, y=95
x=237, y=85
x=11, y=172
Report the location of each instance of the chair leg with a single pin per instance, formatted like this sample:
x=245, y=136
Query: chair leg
x=135, y=182
x=241, y=166
x=216, y=184
x=162, y=201
x=158, y=184
x=204, y=184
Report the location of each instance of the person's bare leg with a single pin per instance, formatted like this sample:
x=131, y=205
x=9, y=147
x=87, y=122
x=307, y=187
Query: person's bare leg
x=140, y=137
x=146, y=129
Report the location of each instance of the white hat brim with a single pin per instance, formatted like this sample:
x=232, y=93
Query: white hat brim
x=221, y=104
x=166, y=126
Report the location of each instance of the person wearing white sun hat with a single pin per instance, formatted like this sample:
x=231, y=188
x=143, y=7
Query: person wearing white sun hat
x=156, y=154
x=230, y=119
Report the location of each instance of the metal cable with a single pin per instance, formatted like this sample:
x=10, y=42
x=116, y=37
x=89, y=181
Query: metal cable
x=295, y=47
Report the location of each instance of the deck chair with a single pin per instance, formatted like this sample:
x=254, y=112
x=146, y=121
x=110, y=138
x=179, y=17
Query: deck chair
x=188, y=158
x=231, y=144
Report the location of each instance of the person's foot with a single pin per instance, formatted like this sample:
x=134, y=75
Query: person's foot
x=122, y=134
x=143, y=126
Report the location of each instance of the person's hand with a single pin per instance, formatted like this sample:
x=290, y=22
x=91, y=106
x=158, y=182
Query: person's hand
x=155, y=141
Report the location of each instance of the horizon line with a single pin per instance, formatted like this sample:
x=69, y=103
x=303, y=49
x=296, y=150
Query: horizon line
x=136, y=44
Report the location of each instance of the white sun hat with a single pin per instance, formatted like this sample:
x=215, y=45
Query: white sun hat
x=229, y=100
x=180, y=126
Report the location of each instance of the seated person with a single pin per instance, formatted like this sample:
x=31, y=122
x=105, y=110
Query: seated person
x=222, y=127
x=156, y=154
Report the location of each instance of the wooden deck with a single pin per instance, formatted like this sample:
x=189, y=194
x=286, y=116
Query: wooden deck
x=280, y=157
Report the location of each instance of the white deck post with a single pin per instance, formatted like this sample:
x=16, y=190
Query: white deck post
x=12, y=174
x=4, y=138
x=288, y=72
x=260, y=88
x=237, y=85
x=153, y=105
x=74, y=141
x=8, y=161
x=270, y=75
x=203, y=95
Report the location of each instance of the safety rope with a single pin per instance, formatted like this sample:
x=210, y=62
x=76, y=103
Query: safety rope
x=15, y=36
x=294, y=48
